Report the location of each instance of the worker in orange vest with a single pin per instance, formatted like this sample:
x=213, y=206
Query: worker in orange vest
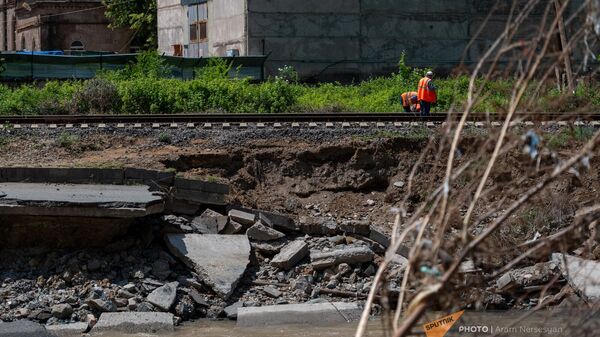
x=410, y=101
x=427, y=94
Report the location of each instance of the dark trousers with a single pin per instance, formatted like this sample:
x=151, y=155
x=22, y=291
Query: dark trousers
x=406, y=109
x=425, y=108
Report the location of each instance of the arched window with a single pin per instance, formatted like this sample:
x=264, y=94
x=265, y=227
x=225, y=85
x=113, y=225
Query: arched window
x=23, y=43
x=77, y=45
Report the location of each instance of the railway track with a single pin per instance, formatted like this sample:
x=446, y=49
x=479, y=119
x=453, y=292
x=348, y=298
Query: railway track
x=273, y=119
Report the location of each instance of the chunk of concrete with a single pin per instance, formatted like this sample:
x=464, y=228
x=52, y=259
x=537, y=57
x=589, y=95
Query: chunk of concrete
x=361, y=227
x=269, y=247
x=67, y=330
x=313, y=314
x=351, y=255
x=278, y=221
x=231, y=311
x=135, y=322
x=241, y=217
x=529, y=276
x=163, y=297
x=22, y=328
x=233, y=227
x=210, y=222
x=272, y=292
x=290, y=255
x=582, y=275
x=261, y=232
x=220, y=260
x=102, y=201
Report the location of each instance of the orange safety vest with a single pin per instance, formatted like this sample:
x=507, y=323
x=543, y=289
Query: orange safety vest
x=426, y=94
x=406, y=98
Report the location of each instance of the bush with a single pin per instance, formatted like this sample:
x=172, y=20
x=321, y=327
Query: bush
x=67, y=140
x=97, y=95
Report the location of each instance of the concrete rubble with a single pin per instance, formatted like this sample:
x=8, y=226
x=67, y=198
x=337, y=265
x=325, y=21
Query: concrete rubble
x=290, y=255
x=582, y=275
x=163, y=297
x=529, y=276
x=135, y=322
x=261, y=232
x=353, y=255
x=220, y=260
x=314, y=314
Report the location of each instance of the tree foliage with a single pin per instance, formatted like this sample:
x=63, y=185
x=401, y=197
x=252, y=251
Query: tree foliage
x=140, y=16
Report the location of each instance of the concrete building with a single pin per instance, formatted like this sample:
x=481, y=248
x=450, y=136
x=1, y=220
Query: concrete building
x=336, y=38
x=59, y=25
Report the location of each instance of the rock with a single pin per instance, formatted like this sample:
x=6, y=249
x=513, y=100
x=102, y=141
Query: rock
x=313, y=314
x=163, y=297
x=261, y=232
x=220, y=260
x=232, y=227
x=102, y=305
x=185, y=308
x=177, y=223
x=272, y=292
x=582, y=275
x=332, y=284
x=383, y=239
x=370, y=202
x=241, y=217
x=62, y=311
x=370, y=271
x=131, y=304
x=278, y=221
x=161, y=269
x=232, y=310
x=317, y=226
x=338, y=239
x=301, y=284
x=22, y=328
x=524, y=277
x=399, y=184
x=122, y=293
x=290, y=255
x=135, y=322
x=39, y=315
x=200, y=301
x=210, y=222
x=355, y=227
x=144, y=307
x=67, y=330
x=269, y=247
x=351, y=255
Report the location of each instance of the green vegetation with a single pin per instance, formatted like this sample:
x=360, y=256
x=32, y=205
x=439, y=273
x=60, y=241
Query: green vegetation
x=164, y=138
x=145, y=87
x=139, y=16
x=565, y=136
x=67, y=140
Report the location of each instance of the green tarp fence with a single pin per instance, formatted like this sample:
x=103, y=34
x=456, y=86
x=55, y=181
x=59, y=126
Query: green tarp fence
x=20, y=66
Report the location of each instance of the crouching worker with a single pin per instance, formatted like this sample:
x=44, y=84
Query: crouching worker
x=410, y=102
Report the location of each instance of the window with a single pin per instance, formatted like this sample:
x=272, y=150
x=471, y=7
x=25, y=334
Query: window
x=77, y=45
x=198, y=18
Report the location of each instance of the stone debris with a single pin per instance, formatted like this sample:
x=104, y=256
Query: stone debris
x=210, y=222
x=582, y=275
x=313, y=314
x=272, y=292
x=62, y=311
x=135, y=322
x=163, y=297
x=68, y=330
x=269, y=248
x=220, y=260
x=355, y=227
x=241, y=217
x=232, y=227
x=529, y=276
x=261, y=232
x=22, y=328
x=352, y=255
x=290, y=255
x=231, y=311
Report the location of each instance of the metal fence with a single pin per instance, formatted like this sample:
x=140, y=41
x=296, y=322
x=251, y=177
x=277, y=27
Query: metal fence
x=39, y=66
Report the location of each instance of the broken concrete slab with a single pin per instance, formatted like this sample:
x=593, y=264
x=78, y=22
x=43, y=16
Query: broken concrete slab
x=199, y=197
x=529, y=276
x=105, y=201
x=200, y=185
x=269, y=247
x=232, y=227
x=361, y=227
x=317, y=226
x=22, y=328
x=261, y=232
x=135, y=322
x=163, y=297
x=67, y=330
x=220, y=260
x=314, y=314
x=231, y=311
x=351, y=255
x=582, y=275
x=241, y=217
x=278, y=221
x=210, y=222
x=272, y=292
x=290, y=255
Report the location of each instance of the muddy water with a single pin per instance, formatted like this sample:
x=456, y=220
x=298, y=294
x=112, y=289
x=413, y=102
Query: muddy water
x=228, y=329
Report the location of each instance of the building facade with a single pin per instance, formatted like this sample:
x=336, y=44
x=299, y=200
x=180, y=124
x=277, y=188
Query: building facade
x=77, y=25
x=338, y=39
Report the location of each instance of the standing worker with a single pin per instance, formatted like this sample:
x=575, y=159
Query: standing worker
x=427, y=93
x=410, y=101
